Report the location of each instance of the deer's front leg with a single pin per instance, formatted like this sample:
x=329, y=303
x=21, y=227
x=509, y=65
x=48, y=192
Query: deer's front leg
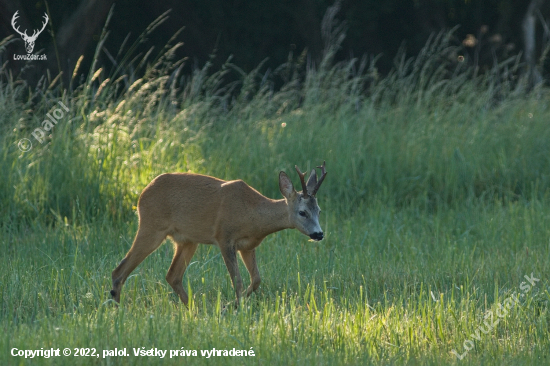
x=230, y=258
x=249, y=259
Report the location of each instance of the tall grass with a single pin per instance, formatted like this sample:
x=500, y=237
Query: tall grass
x=435, y=207
x=430, y=132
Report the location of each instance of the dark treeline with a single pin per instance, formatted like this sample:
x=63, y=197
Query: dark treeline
x=253, y=30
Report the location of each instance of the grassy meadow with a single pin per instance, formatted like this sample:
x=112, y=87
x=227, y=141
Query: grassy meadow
x=435, y=207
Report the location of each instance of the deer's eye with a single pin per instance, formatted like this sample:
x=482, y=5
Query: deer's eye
x=302, y=213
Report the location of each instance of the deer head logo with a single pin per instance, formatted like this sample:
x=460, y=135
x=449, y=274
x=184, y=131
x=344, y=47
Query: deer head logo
x=29, y=40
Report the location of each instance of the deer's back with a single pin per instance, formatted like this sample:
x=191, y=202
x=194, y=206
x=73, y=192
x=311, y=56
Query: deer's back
x=193, y=207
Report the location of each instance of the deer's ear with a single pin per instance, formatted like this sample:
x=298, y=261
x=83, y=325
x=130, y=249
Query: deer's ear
x=285, y=185
x=312, y=181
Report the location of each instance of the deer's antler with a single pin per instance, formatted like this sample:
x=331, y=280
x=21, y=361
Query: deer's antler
x=36, y=33
x=302, y=180
x=323, y=175
x=16, y=28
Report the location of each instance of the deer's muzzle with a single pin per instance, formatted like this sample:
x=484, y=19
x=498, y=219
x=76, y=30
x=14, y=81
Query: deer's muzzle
x=317, y=236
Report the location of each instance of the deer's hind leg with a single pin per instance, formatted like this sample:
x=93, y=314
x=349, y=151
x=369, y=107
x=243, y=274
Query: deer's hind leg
x=145, y=243
x=183, y=252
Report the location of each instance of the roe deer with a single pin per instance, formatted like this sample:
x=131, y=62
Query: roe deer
x=193, y=208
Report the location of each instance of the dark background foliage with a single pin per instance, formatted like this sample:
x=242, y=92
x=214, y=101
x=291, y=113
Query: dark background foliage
x=254, y=30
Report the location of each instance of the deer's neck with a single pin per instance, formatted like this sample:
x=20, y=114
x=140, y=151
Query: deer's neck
x=273, y=216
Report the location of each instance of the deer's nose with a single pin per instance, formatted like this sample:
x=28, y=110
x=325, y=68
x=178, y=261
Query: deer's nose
x=317, y=236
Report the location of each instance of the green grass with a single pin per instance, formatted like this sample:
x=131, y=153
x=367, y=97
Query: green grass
x=387, y=286
x=436, y=205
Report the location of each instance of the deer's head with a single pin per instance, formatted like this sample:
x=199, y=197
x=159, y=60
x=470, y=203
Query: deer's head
x=29, y=40
x=303, y=208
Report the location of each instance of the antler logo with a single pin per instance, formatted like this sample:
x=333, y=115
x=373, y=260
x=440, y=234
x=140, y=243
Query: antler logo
x=29, y=40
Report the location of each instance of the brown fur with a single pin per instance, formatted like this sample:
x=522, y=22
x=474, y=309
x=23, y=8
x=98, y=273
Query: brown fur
x=193, y=208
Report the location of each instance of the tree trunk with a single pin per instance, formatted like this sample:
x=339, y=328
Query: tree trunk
x=529, y=40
